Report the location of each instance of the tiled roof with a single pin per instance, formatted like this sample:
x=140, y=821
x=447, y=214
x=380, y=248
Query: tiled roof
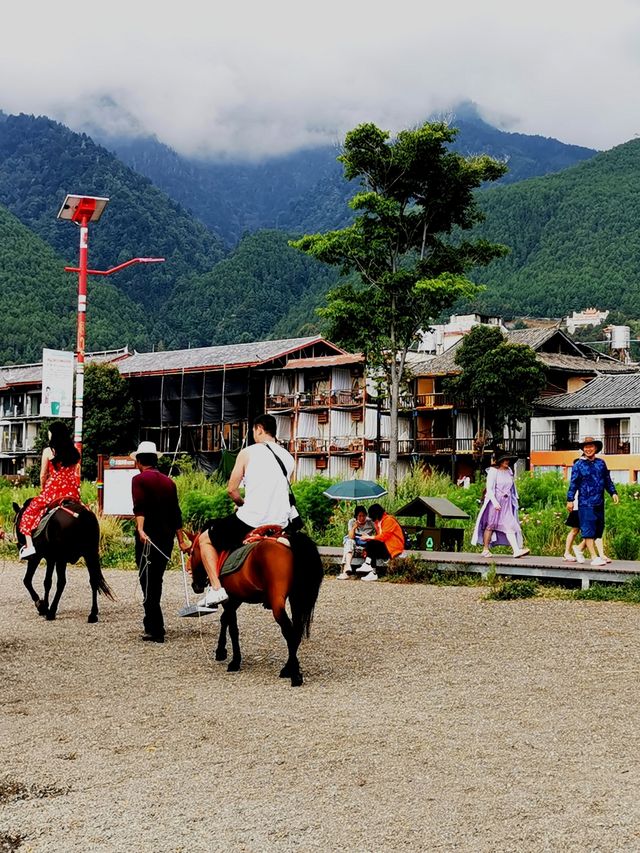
x=581, y=364
x=584, y=360
x=31, y=374
x=231, y=355
x=605, y=392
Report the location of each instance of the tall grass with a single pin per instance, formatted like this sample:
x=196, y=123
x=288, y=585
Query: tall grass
x=542, y=511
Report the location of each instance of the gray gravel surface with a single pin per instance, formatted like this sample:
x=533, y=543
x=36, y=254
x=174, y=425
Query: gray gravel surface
x=429, y=720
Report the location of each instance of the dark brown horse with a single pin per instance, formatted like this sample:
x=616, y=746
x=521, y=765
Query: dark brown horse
x=71, y=533
x=271, y=575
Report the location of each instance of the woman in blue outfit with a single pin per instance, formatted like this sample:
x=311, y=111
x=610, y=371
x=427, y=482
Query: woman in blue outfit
x=590, y=476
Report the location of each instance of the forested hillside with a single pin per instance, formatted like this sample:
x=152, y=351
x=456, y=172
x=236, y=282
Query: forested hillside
x=41, y=161
x=305, y=192
x=38, y=302
x=574, y=239
x=263, y=289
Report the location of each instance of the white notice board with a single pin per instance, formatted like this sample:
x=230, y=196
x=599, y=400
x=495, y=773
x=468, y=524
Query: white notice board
x=117, y=474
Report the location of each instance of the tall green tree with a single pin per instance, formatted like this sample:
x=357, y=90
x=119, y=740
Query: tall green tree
x=109, y=425
x=406, y=268
x=498, y=379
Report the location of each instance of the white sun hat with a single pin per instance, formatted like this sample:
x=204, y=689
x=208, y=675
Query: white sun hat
x=146, y=447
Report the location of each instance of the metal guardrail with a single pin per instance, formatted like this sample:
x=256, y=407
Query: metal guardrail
x=612, y=444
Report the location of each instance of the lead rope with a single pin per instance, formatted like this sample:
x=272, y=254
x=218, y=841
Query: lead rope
x=143, y=568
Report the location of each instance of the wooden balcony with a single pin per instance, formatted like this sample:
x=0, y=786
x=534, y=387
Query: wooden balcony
x=437, y=400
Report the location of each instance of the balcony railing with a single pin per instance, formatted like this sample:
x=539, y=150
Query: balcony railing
x=436, y=400
x=406, y=401
x=308, y=445
x=280, y=401
x=336, y=444
x=612, y=444
x=346, y=398
x=405, y=446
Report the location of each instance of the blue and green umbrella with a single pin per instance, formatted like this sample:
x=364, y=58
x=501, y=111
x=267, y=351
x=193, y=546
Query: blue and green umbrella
x=355, y=490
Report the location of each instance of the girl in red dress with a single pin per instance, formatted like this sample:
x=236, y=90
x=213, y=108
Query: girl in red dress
x=59, y=478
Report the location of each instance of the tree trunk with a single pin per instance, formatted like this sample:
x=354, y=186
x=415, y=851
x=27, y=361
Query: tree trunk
x=393, y=409
x=393, y=434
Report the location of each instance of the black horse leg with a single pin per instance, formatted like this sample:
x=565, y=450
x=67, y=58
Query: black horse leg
x=43, y=607
x=292, y=637
x=221, y=648
x=61, y=572
x=32, y=565
x=234, y=636
x=95, y=574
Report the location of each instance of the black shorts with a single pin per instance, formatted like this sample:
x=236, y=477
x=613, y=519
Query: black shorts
x=227, y=533
x=573, y=519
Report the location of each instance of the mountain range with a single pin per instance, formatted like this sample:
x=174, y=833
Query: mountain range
x=568, y=214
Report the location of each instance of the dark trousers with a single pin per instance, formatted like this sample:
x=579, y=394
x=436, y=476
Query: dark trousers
x=151, y=567
x=376, y=551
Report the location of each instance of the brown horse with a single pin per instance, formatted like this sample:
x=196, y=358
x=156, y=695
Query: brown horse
x=271, y=574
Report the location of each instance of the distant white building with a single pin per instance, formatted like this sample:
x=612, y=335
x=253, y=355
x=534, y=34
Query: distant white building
x=442, y=337
x=588, y=317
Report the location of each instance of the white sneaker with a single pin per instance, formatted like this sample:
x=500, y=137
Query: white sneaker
x=213, y=596
x=372, y=576
x=343, y=576
x=598, y=561
x=363, y=569
x=579, y=554
x=27, y=551
x=521, y=553
x=568, y=558
x=486, y=553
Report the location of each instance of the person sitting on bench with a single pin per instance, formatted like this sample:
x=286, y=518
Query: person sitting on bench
x=387, y=543
x=358, y=526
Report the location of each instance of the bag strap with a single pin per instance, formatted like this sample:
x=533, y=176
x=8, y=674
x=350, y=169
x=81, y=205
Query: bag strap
x=284, y=471
x=278, y=460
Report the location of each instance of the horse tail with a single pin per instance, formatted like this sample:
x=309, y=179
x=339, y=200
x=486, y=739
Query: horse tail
x=307, y=577
x=92, y=557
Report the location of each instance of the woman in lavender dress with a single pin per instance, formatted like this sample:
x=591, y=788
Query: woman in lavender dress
x=498, y=522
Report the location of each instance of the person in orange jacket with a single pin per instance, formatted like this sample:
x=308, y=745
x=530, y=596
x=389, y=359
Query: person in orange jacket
x=387, y=543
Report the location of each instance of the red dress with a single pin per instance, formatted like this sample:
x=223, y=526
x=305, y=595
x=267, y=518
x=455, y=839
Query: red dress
x=61, y=483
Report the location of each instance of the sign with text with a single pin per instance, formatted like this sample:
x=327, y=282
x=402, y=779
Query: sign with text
x=57, y=384
x=115, y=474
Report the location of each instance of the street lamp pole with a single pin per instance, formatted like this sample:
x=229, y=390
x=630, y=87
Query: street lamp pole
x=82, y=210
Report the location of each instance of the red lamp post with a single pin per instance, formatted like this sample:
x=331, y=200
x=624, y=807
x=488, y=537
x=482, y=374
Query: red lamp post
x=82, y=210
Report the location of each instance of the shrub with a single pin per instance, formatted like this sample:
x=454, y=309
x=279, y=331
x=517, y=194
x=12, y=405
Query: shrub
x=506, y=590
x=315, y=508
x=625, y=545
x=198, y=507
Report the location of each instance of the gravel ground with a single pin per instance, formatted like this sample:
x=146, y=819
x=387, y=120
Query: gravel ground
x=429, y=720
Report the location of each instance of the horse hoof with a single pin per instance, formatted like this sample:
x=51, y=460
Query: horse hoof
x=296, y=680
x=234, y=666
x=41, y=607
x=221, y=655
x=93, y=617
x=50, y=616
x=285, y=672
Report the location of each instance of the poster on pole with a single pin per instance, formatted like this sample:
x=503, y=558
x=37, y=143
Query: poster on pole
x=57, y=384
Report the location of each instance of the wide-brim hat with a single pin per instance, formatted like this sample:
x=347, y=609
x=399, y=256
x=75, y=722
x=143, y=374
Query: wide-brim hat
x=146, y=447
x=589, y=439
x=502, y=456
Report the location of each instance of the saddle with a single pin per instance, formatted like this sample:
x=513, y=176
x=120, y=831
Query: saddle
x=231, y=561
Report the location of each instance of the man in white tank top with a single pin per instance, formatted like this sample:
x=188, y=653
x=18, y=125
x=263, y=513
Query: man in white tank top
x=265, y=501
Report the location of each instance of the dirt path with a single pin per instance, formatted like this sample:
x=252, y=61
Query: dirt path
x=429, y=720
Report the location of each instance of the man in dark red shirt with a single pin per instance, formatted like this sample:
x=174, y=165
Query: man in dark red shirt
x=158, y=521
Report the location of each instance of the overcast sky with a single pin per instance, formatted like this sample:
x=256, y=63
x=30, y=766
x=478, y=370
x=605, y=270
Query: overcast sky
x=269, y=76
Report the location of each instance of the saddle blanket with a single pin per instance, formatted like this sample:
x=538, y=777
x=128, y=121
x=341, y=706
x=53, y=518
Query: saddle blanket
x=232, y=560
x=68, y=506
